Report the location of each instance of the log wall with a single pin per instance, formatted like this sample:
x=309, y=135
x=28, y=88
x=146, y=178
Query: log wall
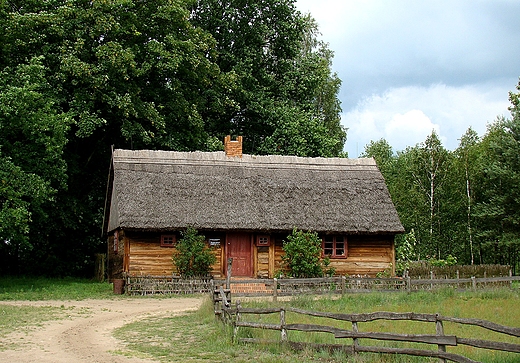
x=367, y=255
x=143, y=255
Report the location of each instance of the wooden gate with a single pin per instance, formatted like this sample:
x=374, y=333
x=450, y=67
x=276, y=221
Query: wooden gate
x=238, y=247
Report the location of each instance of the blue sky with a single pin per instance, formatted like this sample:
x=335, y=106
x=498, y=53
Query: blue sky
x=409, y=67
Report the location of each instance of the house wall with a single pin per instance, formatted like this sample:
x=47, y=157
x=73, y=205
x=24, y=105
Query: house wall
x=140, y=253
x=367, y=255
x=145, y=256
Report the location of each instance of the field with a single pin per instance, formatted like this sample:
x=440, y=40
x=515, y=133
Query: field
x=163, y=329
x=193, y=337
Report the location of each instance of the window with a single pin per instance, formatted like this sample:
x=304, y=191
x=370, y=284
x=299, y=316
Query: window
x=262, y=241
x=168, y=240
x=335, y=246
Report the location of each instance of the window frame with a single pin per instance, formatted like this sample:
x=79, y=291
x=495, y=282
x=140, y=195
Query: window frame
x=335, y=248
x=263, y=244
x=165, y=238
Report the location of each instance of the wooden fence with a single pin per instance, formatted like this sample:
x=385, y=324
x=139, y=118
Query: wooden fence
x=149, y=285
x=166, y=285
x=342, y=285
x=235, y=315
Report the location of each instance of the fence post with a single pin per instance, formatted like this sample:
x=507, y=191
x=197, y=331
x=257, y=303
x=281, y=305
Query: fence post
x=237, y=319
x=275, y=289
x=228, y=276
x=343, y=285
x=431, y=278
x=409, y=283
x=511, y=281
x=355, y=341
x=439, y=329
x=282, y=325
x=474, y=283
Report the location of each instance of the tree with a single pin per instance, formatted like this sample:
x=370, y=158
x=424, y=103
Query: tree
x=173, y=75
x=285, y=95
x=303, y=254
x=124, y=73
x=192, y=257
x=32, y=168
x=429, y=172
x=383, y=154
x=498, y=204
x=467, y=157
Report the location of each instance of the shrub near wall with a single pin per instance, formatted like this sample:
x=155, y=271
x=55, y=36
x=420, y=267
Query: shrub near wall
x=422, y=270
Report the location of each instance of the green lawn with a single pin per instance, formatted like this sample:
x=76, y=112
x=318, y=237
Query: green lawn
x=38, y=288
x=198, y=337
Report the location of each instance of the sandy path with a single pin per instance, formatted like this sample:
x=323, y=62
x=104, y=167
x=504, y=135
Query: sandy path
x=86, y=336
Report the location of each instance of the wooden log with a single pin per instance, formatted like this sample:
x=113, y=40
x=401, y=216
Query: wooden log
x=248, y=324
x=486, y=344
x=416, y=352
x=483, y=324
x=365, y=317
x=414, y=338
x=260, y=311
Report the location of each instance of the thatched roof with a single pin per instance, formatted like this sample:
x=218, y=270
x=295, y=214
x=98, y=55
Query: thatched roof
x=164, y=190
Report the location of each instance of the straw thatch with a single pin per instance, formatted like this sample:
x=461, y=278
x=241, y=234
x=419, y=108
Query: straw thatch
x=160, y=190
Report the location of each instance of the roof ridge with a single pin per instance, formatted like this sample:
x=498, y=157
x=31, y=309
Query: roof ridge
x=219, y=157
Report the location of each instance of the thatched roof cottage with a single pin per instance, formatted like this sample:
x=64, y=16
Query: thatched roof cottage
x=246, y=206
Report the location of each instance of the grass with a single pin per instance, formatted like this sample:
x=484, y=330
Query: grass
x=190, y=337
x=24, y=319
x=28, y=288
x=199, y=337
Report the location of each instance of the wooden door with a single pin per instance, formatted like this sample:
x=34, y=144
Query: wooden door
x=239, y=249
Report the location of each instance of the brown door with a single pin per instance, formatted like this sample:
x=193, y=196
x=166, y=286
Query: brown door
x=239, y=249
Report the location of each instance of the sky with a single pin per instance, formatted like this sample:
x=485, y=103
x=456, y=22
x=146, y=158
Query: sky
x=409, y=67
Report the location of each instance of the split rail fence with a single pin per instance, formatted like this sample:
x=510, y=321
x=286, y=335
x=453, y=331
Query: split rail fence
x=235, y=315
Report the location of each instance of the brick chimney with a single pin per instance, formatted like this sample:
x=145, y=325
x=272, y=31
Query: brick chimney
x=233, y=147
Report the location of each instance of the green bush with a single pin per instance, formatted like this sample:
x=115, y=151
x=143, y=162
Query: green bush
x=192, y=257
x=303, y=255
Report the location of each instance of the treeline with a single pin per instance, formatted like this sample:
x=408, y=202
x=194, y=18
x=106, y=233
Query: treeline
x=462, y=204
x=78, y=76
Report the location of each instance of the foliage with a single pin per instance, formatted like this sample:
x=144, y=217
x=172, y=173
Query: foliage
x=303, y=255
x=405, y=252
x=32, y=168
x=77, y=77
x=449, y=261
x=192, y=257
x=284, y=93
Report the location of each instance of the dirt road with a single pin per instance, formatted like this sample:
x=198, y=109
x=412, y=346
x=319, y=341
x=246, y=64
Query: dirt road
x=85, y=335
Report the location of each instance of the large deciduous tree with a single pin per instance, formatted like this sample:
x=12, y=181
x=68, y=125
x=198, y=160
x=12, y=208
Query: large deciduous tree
x=32, y=168
x=125, y=73
x=175, y=75
x=286, y=95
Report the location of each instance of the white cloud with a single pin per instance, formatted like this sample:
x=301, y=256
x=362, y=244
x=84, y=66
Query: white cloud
x=413, y=125
x=405, y=116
